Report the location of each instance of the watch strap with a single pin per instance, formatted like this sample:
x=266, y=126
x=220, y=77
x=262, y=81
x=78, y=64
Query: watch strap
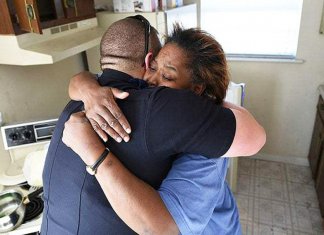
x=92, y=169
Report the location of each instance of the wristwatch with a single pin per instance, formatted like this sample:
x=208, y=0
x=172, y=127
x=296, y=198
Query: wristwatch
x=92, y=169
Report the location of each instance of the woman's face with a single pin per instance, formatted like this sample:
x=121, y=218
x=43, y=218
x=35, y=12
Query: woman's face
x=169, y=69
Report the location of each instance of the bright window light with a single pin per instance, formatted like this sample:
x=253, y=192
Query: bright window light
x=254, y=28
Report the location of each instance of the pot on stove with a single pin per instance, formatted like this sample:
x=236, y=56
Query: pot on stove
x=13, y=208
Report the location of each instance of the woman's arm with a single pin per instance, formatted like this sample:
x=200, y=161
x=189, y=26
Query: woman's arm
x=100, y=106
x=135, y=202
x=249, y=137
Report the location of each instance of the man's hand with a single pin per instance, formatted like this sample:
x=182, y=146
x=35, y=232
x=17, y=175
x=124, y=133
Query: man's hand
x=79, y=135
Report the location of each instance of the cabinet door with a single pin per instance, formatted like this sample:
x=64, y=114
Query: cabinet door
x=69, y=8
x=28, y=15
x=6, y=23
x=78, y=8
x=316, y=145
x=85, y=7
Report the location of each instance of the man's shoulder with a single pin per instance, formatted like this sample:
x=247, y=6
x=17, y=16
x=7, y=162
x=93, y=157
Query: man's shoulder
x=161, y=93
x=71, y=107
x=168, y=92
x=176, y=97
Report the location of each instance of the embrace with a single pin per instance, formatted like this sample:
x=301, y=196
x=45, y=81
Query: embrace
x=154, y=161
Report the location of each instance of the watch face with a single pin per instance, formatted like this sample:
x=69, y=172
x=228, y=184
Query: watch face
x=90, y=170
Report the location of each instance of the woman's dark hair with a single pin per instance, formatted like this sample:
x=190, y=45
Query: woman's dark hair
x=206, y=60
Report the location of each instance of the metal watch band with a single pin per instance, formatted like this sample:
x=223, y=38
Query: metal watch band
x=92, y=170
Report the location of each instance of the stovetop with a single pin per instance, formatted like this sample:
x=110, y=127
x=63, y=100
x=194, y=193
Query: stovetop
x=33, y=209
x=33, y=218
x=20, y=140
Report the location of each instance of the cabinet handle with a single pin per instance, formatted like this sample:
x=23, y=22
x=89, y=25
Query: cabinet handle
x=30, y=12
x=69, y=3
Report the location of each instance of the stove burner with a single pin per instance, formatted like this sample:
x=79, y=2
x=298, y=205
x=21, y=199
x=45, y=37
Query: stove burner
x=33, y=209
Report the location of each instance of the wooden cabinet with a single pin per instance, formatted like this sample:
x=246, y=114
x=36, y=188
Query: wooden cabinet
x=34, y=15
x=77, y=8
x=316, y=153
x=319, y=184
x=6, y=24
x=28, y=16
x=317, y=139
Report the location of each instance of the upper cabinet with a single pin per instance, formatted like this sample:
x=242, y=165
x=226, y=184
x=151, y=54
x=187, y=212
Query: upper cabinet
x=28, y=15
x=34, y=32
x=78, y=8
x=35, y=15
x=6, y=26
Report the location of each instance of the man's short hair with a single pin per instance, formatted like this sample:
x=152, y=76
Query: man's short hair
x=123, y=44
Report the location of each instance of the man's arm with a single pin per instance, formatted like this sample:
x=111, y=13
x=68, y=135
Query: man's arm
x=100, y=106
x=134, y=201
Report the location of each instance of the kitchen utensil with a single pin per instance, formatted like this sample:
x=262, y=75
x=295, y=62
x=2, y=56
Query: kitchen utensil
x=13, y=207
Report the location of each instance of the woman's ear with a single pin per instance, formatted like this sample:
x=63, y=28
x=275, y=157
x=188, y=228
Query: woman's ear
x=148, y=59
x=198, y=89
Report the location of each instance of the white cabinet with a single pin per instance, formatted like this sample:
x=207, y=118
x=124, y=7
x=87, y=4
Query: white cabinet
x=55, y=44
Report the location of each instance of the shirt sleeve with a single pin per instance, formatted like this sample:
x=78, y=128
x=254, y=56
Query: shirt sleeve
x=190, y=192
x=98, y=75
x=181, y=122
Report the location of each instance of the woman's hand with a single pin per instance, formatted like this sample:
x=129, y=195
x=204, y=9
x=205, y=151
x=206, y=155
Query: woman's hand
x=79, y=135
x=100, y=106
x=104, y=114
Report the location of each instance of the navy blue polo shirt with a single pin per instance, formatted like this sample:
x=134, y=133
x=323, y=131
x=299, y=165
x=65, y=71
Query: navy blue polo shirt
x=165, y=122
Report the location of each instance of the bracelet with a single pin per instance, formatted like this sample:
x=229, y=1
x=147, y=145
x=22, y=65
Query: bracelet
x=92, y=169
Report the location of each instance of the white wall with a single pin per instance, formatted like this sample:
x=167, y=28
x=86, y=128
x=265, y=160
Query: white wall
x=30, y=93
x=283, y=96
x=35, y=92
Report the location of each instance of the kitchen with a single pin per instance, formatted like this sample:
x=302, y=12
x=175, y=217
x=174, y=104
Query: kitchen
x=282, y=95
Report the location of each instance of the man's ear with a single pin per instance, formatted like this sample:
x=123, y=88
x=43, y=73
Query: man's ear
x=148, y=59
x=198, y=89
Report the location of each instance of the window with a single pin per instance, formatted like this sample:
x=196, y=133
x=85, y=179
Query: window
x=254, y=28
